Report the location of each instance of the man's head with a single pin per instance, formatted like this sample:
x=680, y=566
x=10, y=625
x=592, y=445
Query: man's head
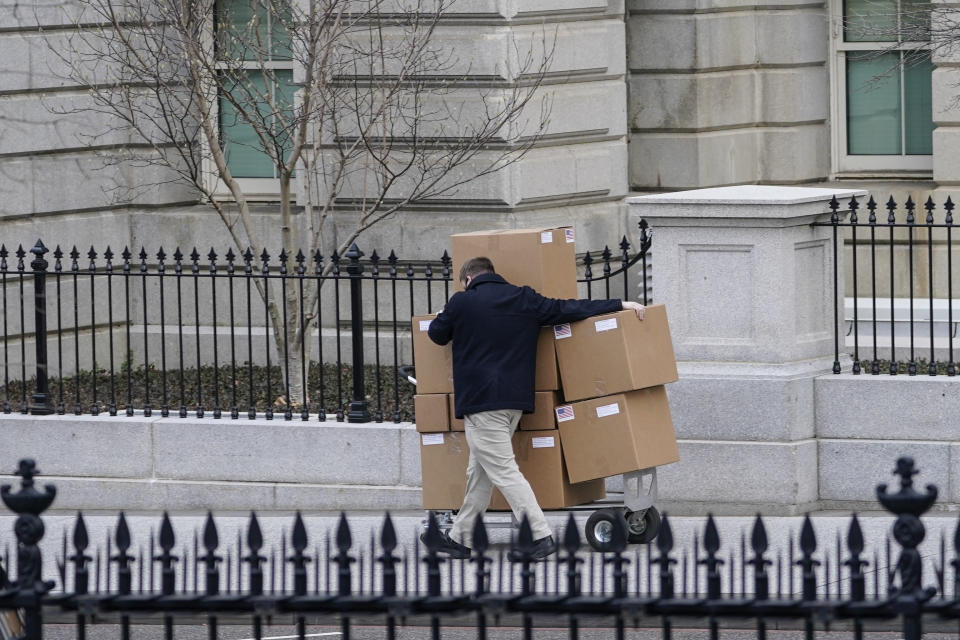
x=473, y=268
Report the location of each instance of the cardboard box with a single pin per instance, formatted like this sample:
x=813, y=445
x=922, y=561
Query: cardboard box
x=615, y=352
x=432, y=412
x=547, y=372
x=433, y=364
x=625, y=432
x=543, y=416
x=540, y=459
x=443, y=466
x=541, y=258
x=456, y=424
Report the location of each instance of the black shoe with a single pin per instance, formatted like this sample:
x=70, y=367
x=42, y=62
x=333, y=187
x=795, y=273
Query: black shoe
x=542, y=549
x=449, y=546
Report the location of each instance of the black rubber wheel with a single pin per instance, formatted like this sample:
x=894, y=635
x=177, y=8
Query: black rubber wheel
x=642, y=528
x=599, y=529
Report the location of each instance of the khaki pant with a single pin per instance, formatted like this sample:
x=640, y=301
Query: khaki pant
x=492, y=464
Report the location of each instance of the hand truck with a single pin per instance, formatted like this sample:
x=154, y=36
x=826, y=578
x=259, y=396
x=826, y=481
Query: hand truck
x=634, y=508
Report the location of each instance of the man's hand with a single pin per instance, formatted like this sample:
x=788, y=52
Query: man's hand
x=638, y=308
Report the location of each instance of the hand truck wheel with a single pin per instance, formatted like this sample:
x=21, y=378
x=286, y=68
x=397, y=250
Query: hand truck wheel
x=642, y=526
x=599, y=528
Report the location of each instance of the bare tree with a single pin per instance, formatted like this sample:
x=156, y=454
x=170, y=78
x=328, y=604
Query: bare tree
x=351, y=101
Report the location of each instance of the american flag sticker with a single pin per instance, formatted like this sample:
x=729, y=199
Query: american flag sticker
x=568, y=234
x=564, y=413
x=562, y=331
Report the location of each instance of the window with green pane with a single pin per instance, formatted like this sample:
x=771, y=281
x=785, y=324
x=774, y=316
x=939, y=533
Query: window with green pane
x=888, y=91
x=257, y=90
x=268, y=99
x=886, y=20
x=253, y=31
x=888, y=104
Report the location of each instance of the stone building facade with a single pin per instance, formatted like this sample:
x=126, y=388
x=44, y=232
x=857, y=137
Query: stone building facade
x=648, y=95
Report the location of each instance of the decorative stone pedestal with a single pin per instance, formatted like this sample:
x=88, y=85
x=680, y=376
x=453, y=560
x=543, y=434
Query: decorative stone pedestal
x=748, y=286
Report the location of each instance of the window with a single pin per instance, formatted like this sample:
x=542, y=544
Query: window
x=883, y=113
x=255, y=83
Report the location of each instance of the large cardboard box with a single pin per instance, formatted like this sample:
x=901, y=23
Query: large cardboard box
x=541, y=258
x=432, y=412
x=547, y=372
x=543, y=416
x=456, y=424
x=615, y=352
x=433, y=364
x=443, y=464
x=443, y=467
x=540, y=459
x=625, y=432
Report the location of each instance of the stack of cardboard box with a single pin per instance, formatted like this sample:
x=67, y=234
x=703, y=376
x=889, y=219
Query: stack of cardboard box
x=565, y=467
x=613, y=369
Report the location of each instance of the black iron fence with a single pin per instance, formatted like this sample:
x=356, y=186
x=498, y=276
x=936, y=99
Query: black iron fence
x=898, y=317
x=177, y=333
x=387, y=584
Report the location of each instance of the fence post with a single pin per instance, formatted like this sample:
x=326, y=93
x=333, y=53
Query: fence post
x=28, y=504
x=41, y=404
x=358, y=406
x=908, y=505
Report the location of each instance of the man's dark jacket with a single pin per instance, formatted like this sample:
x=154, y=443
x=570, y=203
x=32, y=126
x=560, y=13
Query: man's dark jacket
x=494, y=326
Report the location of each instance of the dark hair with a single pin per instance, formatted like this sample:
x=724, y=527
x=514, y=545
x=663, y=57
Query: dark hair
x=474, y=267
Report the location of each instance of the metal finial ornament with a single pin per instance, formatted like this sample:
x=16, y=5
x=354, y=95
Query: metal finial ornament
x=28, y=504
x=908, y=505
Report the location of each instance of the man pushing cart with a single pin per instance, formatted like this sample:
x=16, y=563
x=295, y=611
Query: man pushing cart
x=494, y=327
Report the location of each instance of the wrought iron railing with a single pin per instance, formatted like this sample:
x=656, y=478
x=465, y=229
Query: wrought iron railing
x=887, y=311
x=184, y=333
x=387, y=583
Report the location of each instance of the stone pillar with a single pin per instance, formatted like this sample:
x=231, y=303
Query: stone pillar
x=748, y=286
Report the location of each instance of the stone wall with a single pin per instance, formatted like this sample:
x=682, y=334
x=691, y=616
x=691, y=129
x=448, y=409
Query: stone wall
x=54, y=186
x=727, y=92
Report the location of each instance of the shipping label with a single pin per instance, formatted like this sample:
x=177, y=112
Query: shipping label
x=608, y=410
x=605, y=325
x=562, y=331
x=568, y=234
x=564, y=413
x=431, y=438
x=546, y=237
x=544, y=442
x=425, y=325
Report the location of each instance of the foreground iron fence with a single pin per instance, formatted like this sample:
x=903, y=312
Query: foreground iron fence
x=900, y=293
x=181, y=333
x=387, y=584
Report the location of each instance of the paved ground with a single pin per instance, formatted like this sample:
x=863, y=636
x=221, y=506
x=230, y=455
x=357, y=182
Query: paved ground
x=830, y=527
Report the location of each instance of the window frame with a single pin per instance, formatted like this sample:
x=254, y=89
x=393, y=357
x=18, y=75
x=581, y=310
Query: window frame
x=254, y=189
x=846, y=164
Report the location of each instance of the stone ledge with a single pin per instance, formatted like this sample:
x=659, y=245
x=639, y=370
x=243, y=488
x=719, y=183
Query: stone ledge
x=874, y=459
x=90, y=494
x=881, y=407
x=743, y=475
